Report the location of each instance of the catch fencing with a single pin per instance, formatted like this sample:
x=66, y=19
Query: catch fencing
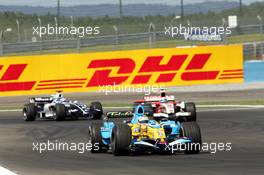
x=151, y=39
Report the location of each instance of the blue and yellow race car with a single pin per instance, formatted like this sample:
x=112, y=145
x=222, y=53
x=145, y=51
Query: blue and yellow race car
x=143, y=134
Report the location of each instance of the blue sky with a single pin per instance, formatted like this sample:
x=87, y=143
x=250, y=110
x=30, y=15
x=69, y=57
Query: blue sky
x=89, y=2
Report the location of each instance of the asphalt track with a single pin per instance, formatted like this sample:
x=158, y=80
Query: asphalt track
x=243, y=128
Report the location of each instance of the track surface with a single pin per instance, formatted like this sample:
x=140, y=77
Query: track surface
x=243, y=128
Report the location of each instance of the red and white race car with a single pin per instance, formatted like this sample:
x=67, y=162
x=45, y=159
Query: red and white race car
x=165, y=106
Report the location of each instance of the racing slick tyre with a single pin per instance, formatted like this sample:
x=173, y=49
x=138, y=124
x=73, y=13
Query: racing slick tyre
x=60, y=112
x=190, y=107
x=29, y=112
x=121, y=140
x=96, y=139
x=192, y=130
x=96, y=110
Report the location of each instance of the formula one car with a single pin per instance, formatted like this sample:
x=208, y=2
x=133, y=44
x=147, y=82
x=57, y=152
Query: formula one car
x=59, y=108
x=166, y=106
x=142, y=134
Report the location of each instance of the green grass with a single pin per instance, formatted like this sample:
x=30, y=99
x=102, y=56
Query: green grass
x=159, y=44
x=246, y=38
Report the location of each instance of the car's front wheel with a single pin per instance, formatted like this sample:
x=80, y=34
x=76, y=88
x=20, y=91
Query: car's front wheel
x=190, y=107
x=96, y=110
x=96, y=139
x=192, y=131
x=60, y=112
x=29, y=112
x=121, y=139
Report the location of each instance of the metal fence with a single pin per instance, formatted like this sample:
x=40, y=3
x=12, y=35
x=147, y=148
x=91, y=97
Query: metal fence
x=253, y=50
x=77, y=44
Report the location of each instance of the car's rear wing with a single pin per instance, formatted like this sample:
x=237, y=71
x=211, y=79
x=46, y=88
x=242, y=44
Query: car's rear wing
x=41, y=100
x=158, y=98
x=119, y=114
x=125, y=114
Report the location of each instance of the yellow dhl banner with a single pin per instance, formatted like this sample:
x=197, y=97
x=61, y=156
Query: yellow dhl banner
x=42, y=74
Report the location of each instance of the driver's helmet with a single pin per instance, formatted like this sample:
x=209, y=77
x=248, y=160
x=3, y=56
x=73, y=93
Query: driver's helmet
x=143, y=120
x=163, y=100
x=58, y=95
x=162, y=92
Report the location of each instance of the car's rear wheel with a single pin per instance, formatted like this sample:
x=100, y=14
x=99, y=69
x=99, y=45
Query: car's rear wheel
x=190, y=107
x=29, y=112
x=60, y=112
x=192, y=131
x=96, y=139
x=121, y=139
x=96, y=110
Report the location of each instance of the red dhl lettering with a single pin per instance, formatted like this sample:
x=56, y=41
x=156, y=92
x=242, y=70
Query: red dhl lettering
x=14, y=72
x=101, y=77
x=151, y=64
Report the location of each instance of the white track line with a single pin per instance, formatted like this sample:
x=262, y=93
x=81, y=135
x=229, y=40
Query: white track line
x=11, y=110
x=203, y=106
x=4, y=171
x=223, y=109
x=232, y=106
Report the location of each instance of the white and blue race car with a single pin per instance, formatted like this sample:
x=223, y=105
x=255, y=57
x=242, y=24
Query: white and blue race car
x=59, y=108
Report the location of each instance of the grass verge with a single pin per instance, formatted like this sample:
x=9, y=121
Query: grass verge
x=145, y=45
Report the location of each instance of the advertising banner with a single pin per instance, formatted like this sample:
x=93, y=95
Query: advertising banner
x=43, y=74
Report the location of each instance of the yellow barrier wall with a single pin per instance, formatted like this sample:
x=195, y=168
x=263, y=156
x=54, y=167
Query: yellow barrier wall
x=42, y=74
